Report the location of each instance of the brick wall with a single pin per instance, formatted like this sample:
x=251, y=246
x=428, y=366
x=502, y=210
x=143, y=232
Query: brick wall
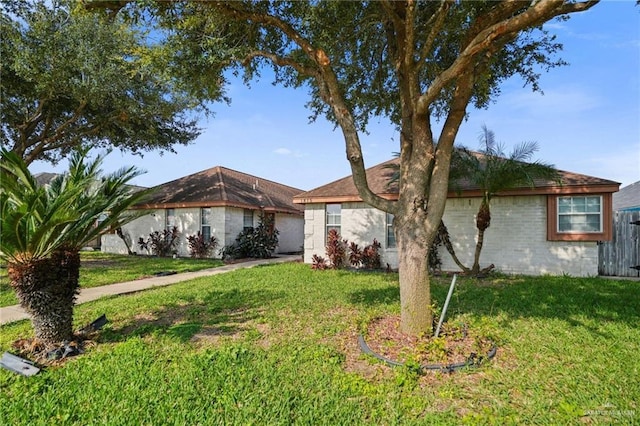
x=515, y=242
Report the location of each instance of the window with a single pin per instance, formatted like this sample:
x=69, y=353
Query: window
x=170, y=219
x=205, y=223
x=581, y=214
x=391, y=237
x=333, y=217
x=579, y=217
x=247, y=222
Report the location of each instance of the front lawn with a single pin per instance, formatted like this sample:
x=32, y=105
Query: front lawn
x=277, y=345
x=99, y=269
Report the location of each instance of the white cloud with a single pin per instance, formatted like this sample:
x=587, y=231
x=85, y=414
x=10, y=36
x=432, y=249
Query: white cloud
x=283, y=151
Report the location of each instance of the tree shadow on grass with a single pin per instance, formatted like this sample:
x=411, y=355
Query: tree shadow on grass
x=564, y=298
x=218, y=313
x=550, y=297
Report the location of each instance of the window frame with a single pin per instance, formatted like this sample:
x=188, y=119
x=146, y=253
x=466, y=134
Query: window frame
x=390, y=232
x=170, y=219
x=245, y=218
x=328, y=226
x=205, y=222
x=606, y=227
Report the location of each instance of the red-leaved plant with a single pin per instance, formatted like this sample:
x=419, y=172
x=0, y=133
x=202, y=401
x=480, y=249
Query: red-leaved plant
x=319, y=263
x=336, y=250
x=199, y=247
x=371, y=255
x=355, y=255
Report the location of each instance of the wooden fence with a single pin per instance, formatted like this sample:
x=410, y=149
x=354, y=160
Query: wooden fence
x=621, y=257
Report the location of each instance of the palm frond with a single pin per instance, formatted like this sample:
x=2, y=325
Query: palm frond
x=38, y=220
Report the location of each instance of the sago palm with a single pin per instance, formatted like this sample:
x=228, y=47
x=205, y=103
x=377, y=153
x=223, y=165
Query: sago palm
x=43, y=229
x=492, y=172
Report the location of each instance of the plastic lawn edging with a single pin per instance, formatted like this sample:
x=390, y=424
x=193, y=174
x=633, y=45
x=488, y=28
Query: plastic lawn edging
x=472, y=361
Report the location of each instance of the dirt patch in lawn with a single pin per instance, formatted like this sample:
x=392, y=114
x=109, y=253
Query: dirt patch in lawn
x=455, y=344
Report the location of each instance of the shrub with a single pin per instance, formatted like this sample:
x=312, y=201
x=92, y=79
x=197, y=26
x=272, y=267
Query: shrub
x=318, y=263
x=199, y=247
x=336, y=250
x=229, y=252
x=162, y=244
x=355, y=255
x=371, y=255
x=259, y=242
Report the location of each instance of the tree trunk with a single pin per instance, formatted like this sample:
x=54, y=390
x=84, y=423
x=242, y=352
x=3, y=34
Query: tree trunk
x=416, y=315
x=443, y=233
x=483, y=221
x=475, y=269
x=47, y=289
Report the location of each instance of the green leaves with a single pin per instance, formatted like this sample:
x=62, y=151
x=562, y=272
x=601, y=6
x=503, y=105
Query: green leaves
x=33, y=221
x=37, y=220
x=492, y=170
x=73, y=78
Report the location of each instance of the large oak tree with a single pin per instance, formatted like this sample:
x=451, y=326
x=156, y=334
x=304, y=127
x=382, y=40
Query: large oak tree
x=72, y=79
x=412, y=61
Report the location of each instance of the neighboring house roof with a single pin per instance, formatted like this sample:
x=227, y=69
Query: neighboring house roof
x=628, y=198
x=220, y=186
x=344, y=190
x=45, y=178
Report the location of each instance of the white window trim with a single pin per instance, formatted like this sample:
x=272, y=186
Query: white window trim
x=389, y=226
x=600, y=215
x=204, y=224
x=327, y=225
x=245, y=216
x=170, y=214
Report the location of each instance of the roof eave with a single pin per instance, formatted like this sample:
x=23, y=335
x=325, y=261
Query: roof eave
x=548, y=190
x=194, y=204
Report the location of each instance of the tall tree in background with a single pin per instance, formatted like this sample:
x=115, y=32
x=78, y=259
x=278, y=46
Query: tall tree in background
x=414, y=62
x=72, y=79
x=492, y=171
x=44, y=227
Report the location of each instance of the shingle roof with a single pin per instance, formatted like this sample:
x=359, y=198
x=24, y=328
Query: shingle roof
x=220, y=186
x=45, y=178
x=344, y=190
x=628, y=198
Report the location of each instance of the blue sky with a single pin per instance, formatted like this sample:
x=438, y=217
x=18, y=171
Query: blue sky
x=587, y=121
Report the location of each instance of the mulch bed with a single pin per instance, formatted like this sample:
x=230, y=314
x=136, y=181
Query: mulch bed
x=455, y=344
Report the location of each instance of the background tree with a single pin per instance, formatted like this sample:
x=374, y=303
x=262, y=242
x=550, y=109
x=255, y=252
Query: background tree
x=414, y=62
x=72, y=79
x=492, y=171
x=44, y=227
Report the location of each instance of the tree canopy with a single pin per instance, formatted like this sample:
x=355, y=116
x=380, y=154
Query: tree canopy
x=413, y=61
x=73, y=79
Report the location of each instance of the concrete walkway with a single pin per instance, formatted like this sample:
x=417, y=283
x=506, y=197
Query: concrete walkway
x=16, y=313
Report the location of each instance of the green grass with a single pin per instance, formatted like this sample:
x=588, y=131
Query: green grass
x=276, y=345
x=99, y=269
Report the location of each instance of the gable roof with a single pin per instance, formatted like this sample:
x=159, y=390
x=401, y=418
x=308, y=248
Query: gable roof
x=220, y=186
x=628, y=198
x=45, y=178
x=344, y=190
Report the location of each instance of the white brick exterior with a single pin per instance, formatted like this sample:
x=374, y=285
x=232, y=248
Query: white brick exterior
x=516, y=242
x=226, y=223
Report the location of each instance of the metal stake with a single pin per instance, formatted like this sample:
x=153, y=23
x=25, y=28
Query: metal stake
x=446, y=304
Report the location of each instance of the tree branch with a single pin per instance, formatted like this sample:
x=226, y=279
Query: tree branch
x=281, y=61
x=538, y=13
x=437, y=22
